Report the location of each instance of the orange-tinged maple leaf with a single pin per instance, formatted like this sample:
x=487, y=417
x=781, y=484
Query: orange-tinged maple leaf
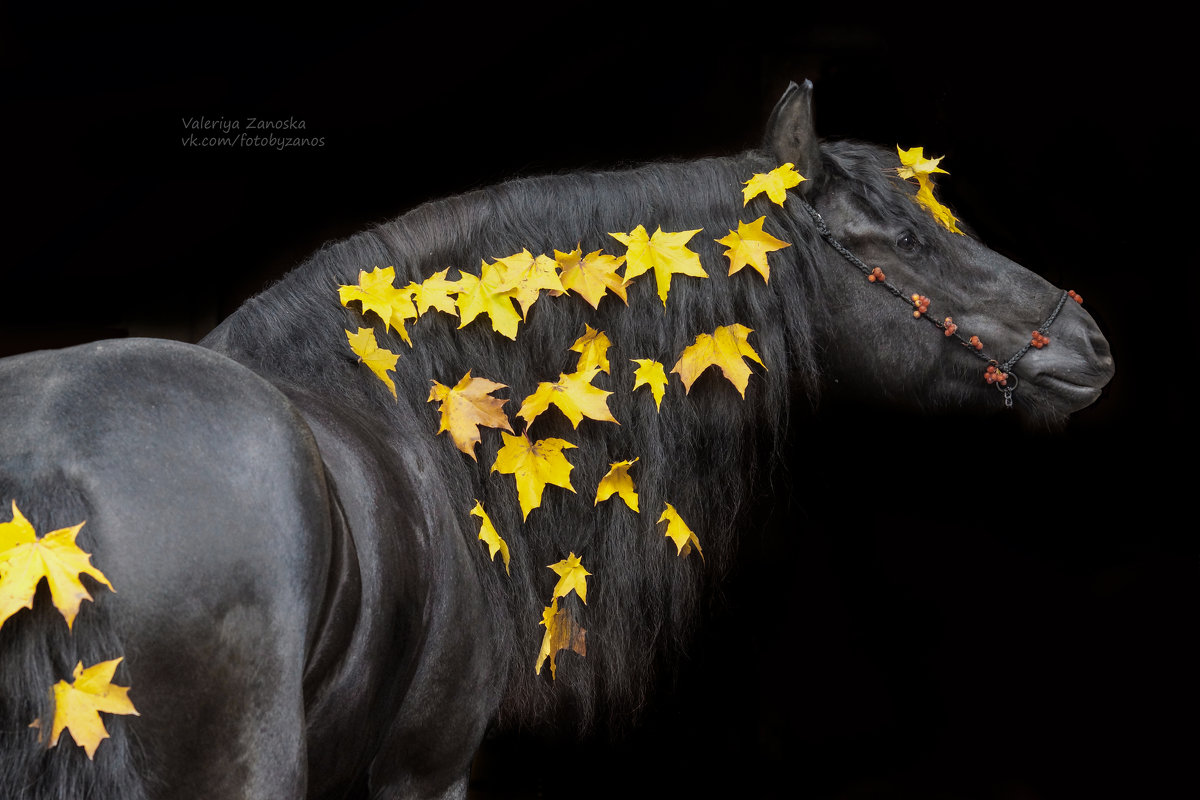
x=593, y=350
x=725, y=348
x=775, y=183
x=435, y=292
x=572, y=577
x=466, y=406
x=619, y=482
x=534, y=465
x=491, y=293
x=378, y=359
x=665, y=253
x=592, y=276
x=679, y=532
x=377, y=295
x=749, y=245
x=650, y=373
x=25, y=560
x=562, y=633
x=489, y=536
x=530, y=276
x=77, y=705
x=573, y=394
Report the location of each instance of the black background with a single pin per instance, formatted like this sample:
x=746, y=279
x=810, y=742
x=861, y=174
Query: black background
x=948, y=608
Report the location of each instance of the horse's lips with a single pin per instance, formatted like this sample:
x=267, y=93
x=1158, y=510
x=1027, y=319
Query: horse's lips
x=1079, y=395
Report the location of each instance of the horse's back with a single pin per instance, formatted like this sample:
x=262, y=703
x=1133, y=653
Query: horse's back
x=206, y=507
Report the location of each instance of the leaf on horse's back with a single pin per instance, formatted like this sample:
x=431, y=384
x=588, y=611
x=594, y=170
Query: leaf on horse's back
x=665, y=253
x=651, y=373
x=466, y=406
x=562, y=633
x=534, y=465
x=775, y=183
x=530, y=276
x=378, y=359
x=591, y=276
x=573, y=394
x=724, y=348
x=376, y=294
x=749, y=245
x=593, y=350
x=77, y=705
x=489, y=536
x=490, y=293
x=572, y=577
x=25, y=560
x=679, y=532
x=618, y=481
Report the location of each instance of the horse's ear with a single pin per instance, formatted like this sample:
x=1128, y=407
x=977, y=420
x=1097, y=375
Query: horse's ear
x=790, y=133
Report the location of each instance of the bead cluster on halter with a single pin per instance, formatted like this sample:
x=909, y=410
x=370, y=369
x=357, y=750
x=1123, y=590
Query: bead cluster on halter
x=994, y=375
x=1039, y=340
x=920, y=303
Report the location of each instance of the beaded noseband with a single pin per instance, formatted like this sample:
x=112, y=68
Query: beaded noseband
x=998, y=374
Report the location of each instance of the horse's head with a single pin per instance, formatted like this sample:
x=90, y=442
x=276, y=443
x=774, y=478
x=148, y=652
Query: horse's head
x=876, y=343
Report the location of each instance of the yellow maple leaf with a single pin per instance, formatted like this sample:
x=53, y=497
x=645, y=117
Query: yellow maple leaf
x=665, y=253
x=77, y=705
x=25, y=560
x=679, y=532
x=490, y=293
x=725, y=348
x=775, y=183
x=378, y=359
x=749, y=245
x=618, y=481
x=941, y=213
x=530, y=276
x=572, y=577
x=377, y=295
x=650, y=373
x=534, y=465
x=466, y=406
x=914, y=165
x=573, y=394
x=489, y=536
x=592, y=276
x=435, y=292
x=593, y=350
x=562, y=633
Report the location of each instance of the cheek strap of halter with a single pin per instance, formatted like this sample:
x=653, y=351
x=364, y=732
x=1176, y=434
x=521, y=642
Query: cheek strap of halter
x=997, y=373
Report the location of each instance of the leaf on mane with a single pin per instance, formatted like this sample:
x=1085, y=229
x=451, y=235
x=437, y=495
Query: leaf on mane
x=490, y=293
x=775, y=183
x=376, y=294
x=679, y=532
x=650, y=373
x=534, y=465
x=725, y=348
x=25, y=560
x=749, y=245
x=592, y=276
x=379, y=360
x=77, y=705
x=530, y=276
x=562, y=633
x=618, y=481
x=489, y=536
x=665, y=253
x=435, y=292
x=593, y=350
x=466, y=406
x=572, y=577
x=914, y=165
x=573, y=394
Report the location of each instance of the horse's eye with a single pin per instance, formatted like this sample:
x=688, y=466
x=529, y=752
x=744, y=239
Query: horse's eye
x=907, y=241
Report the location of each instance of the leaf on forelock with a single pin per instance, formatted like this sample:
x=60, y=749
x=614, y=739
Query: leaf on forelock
x=749, y=245
x=592, y=276
x=490, y=293
x=77, y=705
x=619, y=482
x=376, y=294
x=572, y=577
x=466, y=406
x=679, y=532
x=25, y=560
x=573, y=394
x=665, y=253
x=724, y=348
x=914, y=165
x=562, y=633
x=378, y=359
x=650, y=373
x=435, y=292
x=775, y=183
x=534, y=465
x=941, y=213
x=530, y=276
x=593, y=350
x=489, y=536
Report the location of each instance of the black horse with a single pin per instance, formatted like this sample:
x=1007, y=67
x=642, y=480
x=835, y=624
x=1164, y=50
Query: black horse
x=303, y=605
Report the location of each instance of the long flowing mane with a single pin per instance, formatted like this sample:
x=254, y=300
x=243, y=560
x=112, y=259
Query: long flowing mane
x=704, y=453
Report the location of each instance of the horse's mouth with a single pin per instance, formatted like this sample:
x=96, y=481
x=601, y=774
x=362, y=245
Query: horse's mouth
x=1077, y=394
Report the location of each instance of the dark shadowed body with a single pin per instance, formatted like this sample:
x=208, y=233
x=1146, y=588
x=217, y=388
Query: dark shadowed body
x=302, y=603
